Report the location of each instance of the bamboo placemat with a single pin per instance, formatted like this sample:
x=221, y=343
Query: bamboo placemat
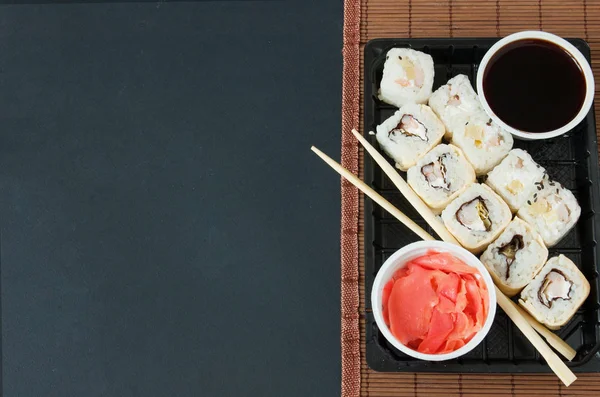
x=370, y=19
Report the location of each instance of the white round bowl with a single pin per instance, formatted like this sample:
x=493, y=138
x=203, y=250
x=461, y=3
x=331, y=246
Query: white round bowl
x=574, y=52
x=397, y=261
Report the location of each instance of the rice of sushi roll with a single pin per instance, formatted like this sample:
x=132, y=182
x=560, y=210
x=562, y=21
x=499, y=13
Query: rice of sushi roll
x=484, y=143
x=555, y=293
x=407, y=77
x=440, y=176
x=515, y=178
x=552, y=210
x=476, y=217
x=410, y=133
x=515, y=257
x=456, y=103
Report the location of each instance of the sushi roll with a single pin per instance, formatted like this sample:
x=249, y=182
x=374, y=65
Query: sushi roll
x=440, y=176
x=456, y=103
x=484, y=143
x=552, y=210
x=515, y=178
x=410, y=133
x=476, y=217
x=407, y=77
x=515, y=257
x=555, y=293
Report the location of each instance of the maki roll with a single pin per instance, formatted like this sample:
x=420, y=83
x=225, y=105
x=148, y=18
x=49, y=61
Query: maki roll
x=476, y=217
x=555, y=293
x=410, y=133
x=484, y=143
x=407, y=77
x=515, y=257
x=440, y=176
x=456, y=103
x=515, y=178
x=552, y=210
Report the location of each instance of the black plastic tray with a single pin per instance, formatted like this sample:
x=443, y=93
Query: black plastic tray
x=571, y=159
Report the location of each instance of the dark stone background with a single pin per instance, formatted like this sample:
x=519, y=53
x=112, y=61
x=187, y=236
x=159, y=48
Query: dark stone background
x=165, y=230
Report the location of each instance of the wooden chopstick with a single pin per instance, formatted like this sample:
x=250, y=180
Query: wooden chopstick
x=554, y=340
x=560, y=345
x=554, y=362
x=386, y=205
x=422, y=208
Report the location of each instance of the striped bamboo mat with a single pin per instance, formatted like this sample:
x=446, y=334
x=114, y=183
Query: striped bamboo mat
x=370, y=19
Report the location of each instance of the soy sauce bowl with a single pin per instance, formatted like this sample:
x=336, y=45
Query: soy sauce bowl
x=501, y=48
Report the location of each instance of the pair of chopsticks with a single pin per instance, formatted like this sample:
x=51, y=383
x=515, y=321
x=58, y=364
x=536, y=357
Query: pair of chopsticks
x=522, y=320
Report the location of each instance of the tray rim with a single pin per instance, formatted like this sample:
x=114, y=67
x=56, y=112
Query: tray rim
x=593, y=358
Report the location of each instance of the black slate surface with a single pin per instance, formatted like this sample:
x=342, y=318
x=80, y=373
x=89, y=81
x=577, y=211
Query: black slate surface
x=165, y=230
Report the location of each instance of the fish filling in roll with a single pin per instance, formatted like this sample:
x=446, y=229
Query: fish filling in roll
x=454, y=100
x=474, y=215
x=483, y=135
x=410, y=126
x=435, y=173
x=415, y=76
x=552, y=208
x=555, y=286
x=510, y=249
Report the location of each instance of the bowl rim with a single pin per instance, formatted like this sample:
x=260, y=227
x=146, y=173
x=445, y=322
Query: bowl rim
x=396, y=261
x=574, y=52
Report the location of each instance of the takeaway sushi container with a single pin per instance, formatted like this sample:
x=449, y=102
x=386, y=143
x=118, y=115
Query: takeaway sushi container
x=571, y=159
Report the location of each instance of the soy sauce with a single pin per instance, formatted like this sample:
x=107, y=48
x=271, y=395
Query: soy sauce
x=534, y=85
